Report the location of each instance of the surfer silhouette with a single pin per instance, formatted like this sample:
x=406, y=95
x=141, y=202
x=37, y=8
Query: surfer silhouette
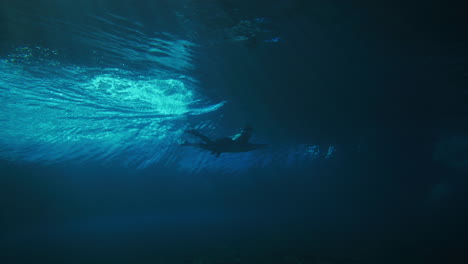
x=237, y=143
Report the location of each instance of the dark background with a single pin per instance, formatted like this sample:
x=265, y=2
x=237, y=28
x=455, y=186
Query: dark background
x=388, y=76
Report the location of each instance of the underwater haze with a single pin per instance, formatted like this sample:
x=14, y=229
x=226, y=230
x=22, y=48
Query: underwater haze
x=233, y=131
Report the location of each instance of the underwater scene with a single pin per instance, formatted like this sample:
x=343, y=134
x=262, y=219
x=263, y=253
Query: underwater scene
x=233, y=131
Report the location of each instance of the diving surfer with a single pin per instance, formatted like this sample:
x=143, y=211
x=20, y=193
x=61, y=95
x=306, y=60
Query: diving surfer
x=236, y=143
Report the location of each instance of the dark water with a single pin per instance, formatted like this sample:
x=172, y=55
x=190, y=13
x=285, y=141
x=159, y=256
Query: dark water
x=363, y=106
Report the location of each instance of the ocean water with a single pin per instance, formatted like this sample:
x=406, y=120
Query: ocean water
x=362, y=107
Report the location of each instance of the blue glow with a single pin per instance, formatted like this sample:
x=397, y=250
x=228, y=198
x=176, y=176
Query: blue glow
x=52, y=112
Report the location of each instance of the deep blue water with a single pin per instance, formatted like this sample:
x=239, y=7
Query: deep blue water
x=362, y=105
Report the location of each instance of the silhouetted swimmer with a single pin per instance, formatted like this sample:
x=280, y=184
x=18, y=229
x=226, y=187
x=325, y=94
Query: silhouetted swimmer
x=236, y=143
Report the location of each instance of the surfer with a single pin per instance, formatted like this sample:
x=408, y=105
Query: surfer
x=236, y=143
